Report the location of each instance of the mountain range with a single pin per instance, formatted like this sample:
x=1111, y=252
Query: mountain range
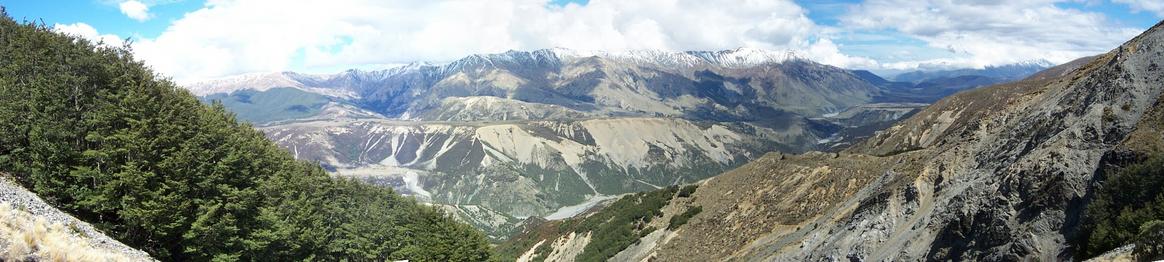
x=1008, y=72
x=501, y=137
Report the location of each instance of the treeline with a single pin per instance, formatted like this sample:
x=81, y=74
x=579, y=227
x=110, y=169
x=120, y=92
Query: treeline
x=101, y=136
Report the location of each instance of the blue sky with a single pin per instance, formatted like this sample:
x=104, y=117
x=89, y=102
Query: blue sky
x=194, y=40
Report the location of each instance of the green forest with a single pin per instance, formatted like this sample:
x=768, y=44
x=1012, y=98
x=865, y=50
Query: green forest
x=96, y=133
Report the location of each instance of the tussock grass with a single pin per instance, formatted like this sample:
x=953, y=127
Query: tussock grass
x=24, y=236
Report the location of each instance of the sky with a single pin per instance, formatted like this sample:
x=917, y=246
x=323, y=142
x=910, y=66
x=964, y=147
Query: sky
x=192, y=40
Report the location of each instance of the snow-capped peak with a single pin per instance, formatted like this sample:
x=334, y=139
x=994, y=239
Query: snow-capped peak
x=1035, y=62
x=746, y=56
x=734, y=58
x=257, y=81
x=266, y=81
x=739, y=57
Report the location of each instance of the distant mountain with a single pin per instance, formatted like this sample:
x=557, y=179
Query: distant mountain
x=1009, y=72
x=928, y=86
x=703, y=85
x=872, y=78
x=498, y=137
x=1010, y=172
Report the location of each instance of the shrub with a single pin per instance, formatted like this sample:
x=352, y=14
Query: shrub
x=686, y=191
x=681, y=219
x=1150, y=243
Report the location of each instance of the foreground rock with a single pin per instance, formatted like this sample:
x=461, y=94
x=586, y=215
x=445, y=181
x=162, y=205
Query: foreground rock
x=30, y=229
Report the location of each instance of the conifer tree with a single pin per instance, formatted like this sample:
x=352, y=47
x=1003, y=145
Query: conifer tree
x=99, y=135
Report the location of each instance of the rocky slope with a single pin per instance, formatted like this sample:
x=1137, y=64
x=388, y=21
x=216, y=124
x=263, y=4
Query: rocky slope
x=32, y=230
x=998, y=173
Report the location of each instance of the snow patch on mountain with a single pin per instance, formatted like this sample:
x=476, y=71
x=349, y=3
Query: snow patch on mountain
x=266, y=81
x=734, y=58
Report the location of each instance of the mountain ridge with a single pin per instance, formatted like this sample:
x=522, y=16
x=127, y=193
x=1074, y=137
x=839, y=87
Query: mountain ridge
x=1012, y=71
x=727, y=58
x=738, y=57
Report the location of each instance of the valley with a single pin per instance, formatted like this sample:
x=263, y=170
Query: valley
x=522, y=134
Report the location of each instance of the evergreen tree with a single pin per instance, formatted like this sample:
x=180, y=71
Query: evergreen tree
x=98, y=134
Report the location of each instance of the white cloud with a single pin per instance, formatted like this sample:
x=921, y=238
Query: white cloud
x=135, y=10
x=826, y=52
x=1154, y=6
x=230, y=37
x=86, y=31
x=980, y=33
